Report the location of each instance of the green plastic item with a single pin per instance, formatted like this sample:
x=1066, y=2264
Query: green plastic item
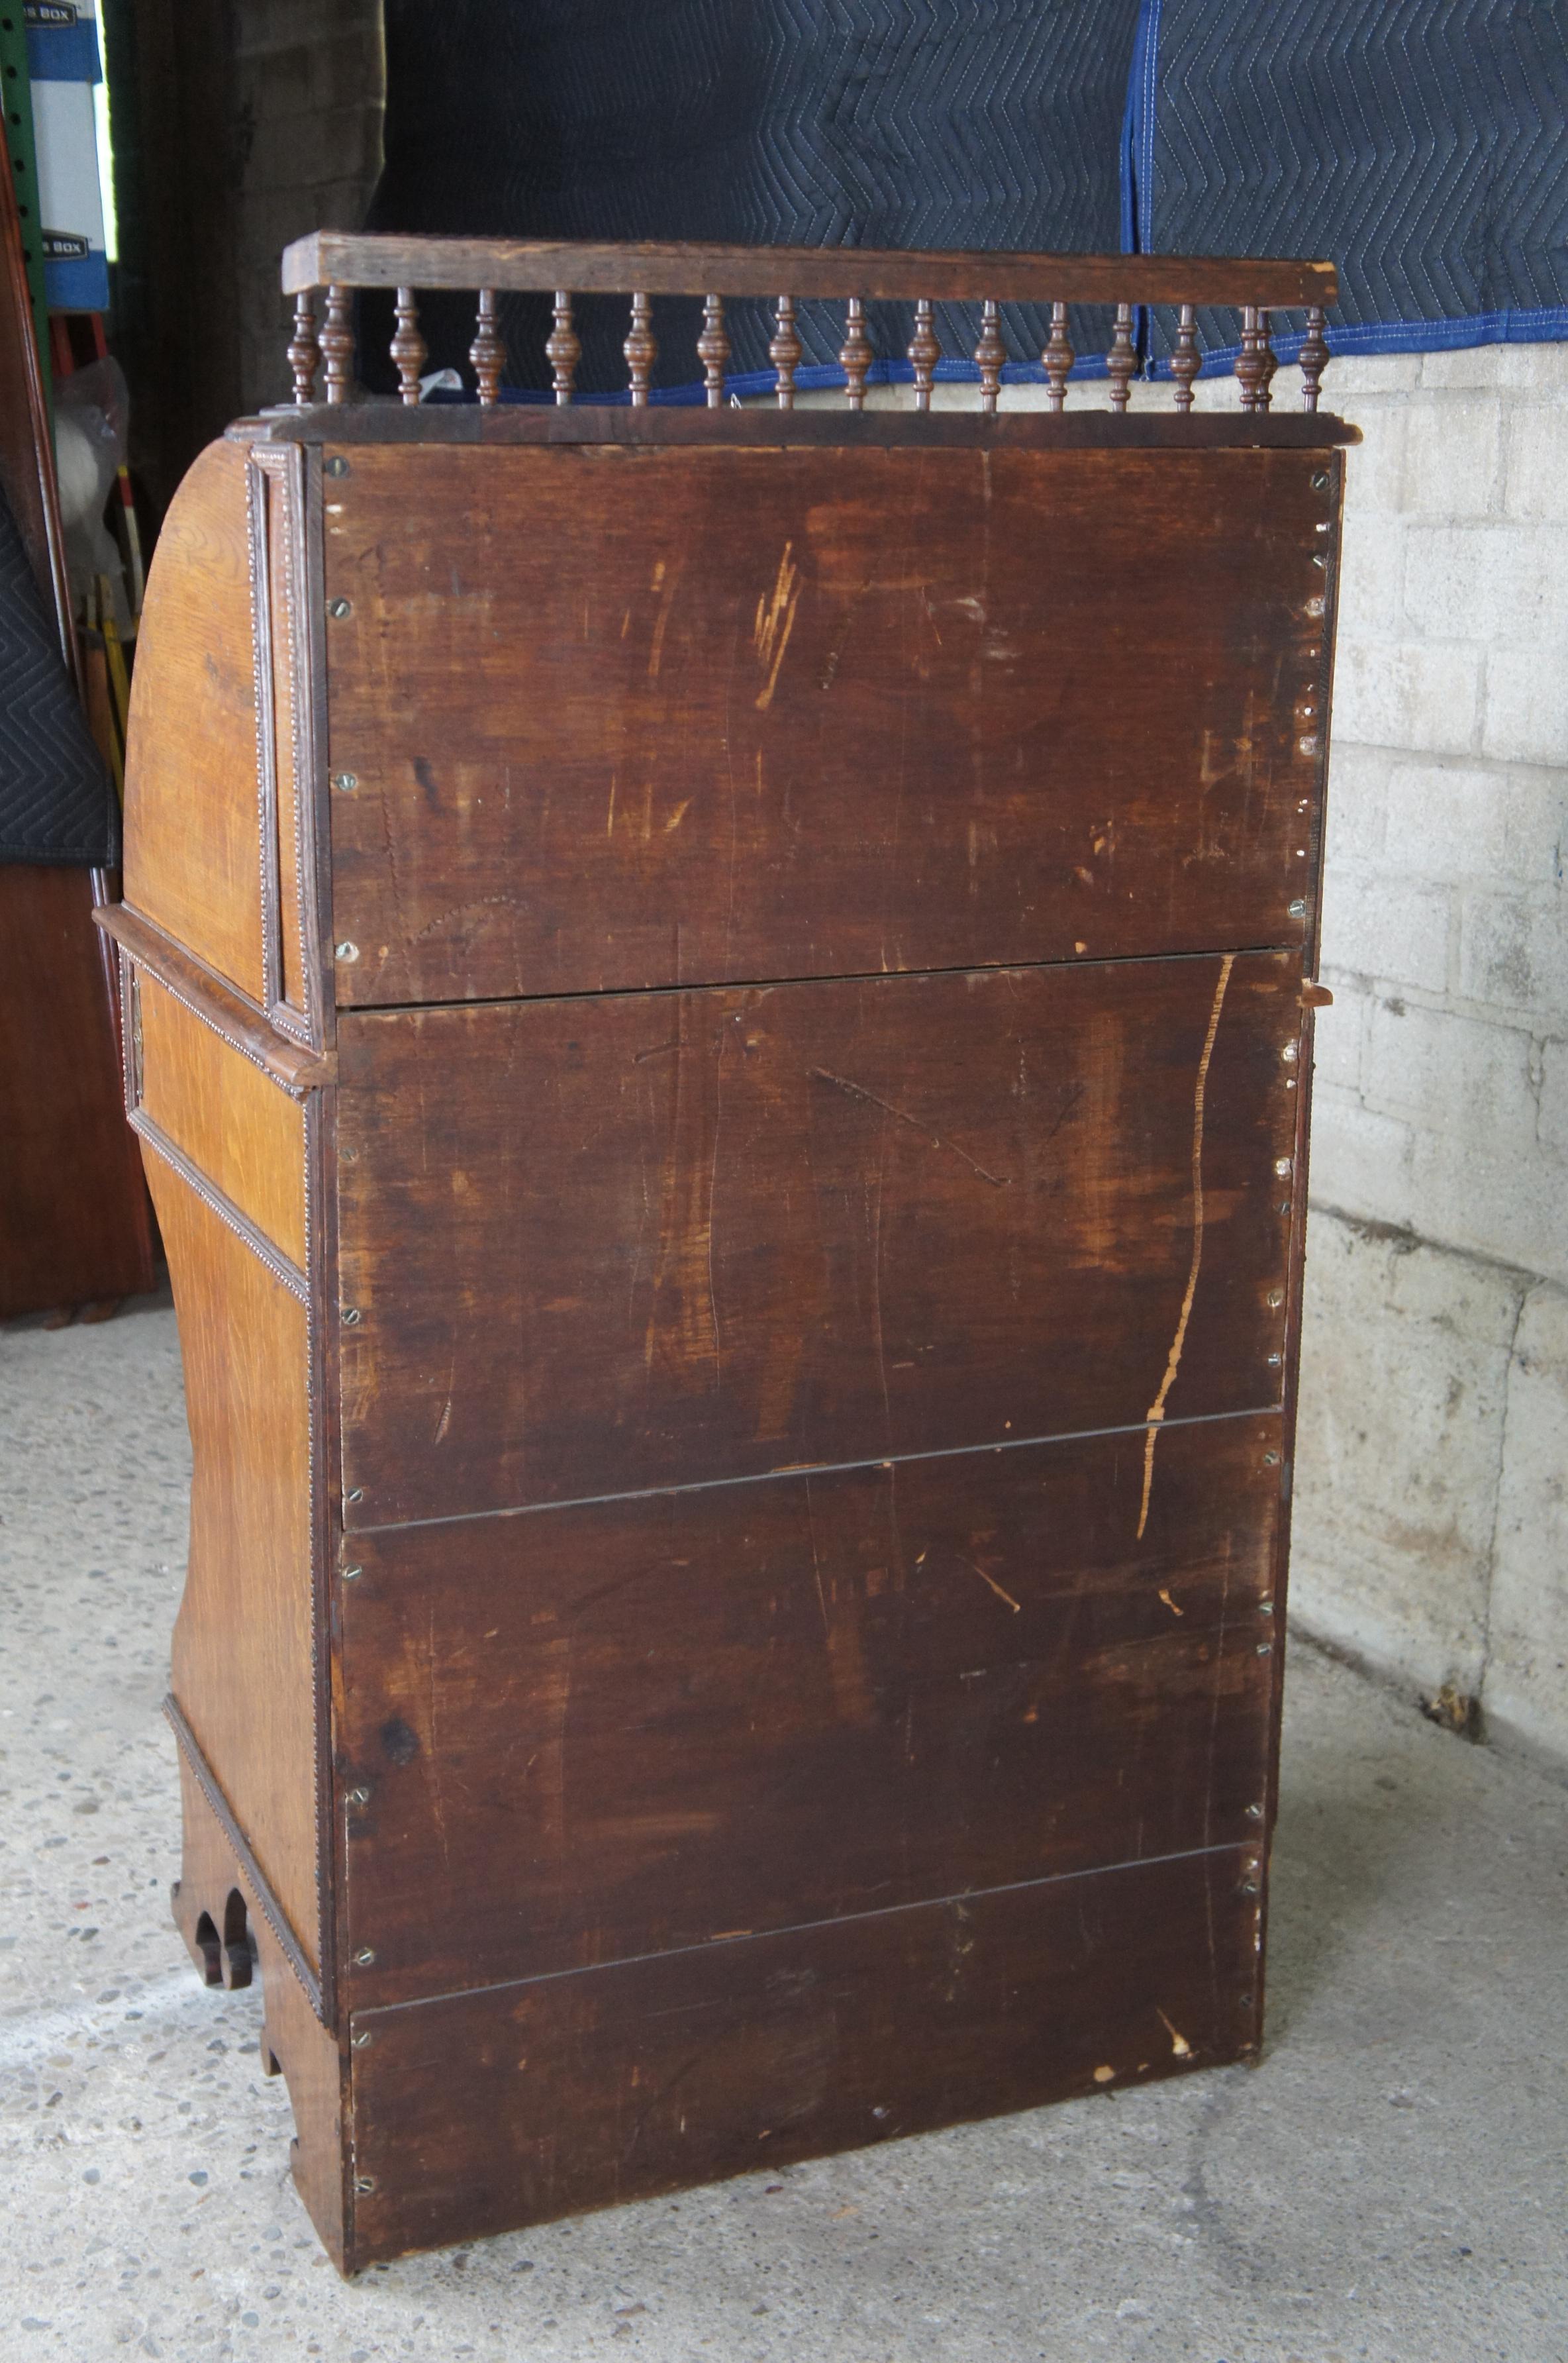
x=22, y=146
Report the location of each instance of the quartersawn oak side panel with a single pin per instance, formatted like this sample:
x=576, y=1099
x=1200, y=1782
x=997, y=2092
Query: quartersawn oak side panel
x=527, y=2103
x=192, y=834
x=657, y=717
x=597, y=1245
x=237, y=1126
x=243, y=1656
x=582, y=1735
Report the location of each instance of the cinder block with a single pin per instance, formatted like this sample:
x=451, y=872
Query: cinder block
x=1349, y=375
x=1375, y=468
x=1461, y=822
x=1356, y=805
x=1372, y=573
x=1337, y=1038
x=1453, y=455
x=1513, y=952
x=1553, y=1123
x=1399, y=1451
x=1378, y=924
x=1458, y=1075
x=1526, y=1687
x=1408, y=695
x=1360, y=1159
x=1502, y=584
x=1526, y=712
x=1519, y=368
x=1490, y=1198
x=1536, y=462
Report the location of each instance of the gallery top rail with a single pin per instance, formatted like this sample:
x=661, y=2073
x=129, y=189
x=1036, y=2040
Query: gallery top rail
x=336, y=262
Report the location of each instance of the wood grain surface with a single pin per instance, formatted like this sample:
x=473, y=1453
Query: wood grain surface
x=529, y=2101
x=243, y=1656
x=239, y=1128
x=590, y=1246
x=582, y=1734
x=630, y=718
x=193, y=822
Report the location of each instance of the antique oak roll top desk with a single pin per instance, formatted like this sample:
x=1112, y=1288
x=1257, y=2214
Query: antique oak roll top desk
x=719, y=1003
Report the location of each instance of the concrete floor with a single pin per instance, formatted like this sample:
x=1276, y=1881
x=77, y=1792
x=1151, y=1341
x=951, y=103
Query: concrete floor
x=1389, y=2184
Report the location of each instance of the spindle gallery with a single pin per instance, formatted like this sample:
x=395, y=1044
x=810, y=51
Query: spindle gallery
x=720, y=1000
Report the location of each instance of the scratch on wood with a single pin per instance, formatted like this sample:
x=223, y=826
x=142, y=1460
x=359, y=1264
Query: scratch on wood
x=656, y=653
x=1170, y=1603
x=775, y=622
x=860, y=1092
x=1015, y=1605
x=1156, y=1411
x=1179, y=2043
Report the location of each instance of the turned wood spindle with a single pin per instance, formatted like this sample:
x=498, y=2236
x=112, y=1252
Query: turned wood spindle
x=641, y=351
x=1186, y=360
x=784, y=351
x=408, y=348
x=1122, y=360
x=855, y=354
x=713, y=348
x=563, y=348
x=1256, y=364
x=305, y=353
x=1314, y=358
x=991, y=353
x=925, y=351
x=1058, y=359
x=488, y=353
x=337, y=344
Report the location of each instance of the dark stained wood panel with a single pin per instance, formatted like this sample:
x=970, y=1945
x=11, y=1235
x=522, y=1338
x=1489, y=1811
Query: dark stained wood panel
x=525, y=2103
x=626, y=717
x=583, y=1734
x=594, y=1245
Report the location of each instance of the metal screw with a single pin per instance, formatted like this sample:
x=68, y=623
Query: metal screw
x=1283, y=1207
x=1273, y=1361
x=1255, y=1812
x=359, y=1797
x=350, y=1573
x=1246, y=2001
x=364, y=1957
x=346, y=782
x=351, y=1316
x=1248, y=1887
x=1320, y=483
x=342, y=607
x=337, y=466
x=1266, y=1608
x=1265, y=1648
x=1297, y=910
x=1290, y=1054
x=347, y=951
x=1270, y=1461
x=1319, y=560
x=1282, y=1164
x=363, y=2042
x=1276, y=1296
x=355, y=1493
x=364, y=2182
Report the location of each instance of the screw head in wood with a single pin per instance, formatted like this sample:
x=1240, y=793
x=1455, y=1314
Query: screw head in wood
x=339, y=607
x=1297, y=910
x=346, y=782
x=1290, y=1054
x=1255, y=1812
x=1266, y=1608
x=1274, y=1361
x=1270, y=1461
x=1282, y=1164
x=355, y=1493
x=350, y=1574
x=1265, y=1648
x=359, y=1797
x=365, y=1957
x=346, y=952
x=363, y=2040
x=351, y=1316
x=336, y=466
x=366, y=2183
x=1275, y=1296
x=1320, y=484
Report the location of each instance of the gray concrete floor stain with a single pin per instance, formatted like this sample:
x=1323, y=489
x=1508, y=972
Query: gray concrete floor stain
x=1387, y=2186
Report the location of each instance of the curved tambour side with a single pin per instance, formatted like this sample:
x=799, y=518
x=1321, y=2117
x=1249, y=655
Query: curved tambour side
x=225, y=1091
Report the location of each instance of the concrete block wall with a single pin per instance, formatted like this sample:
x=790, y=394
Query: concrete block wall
x=1430, y=1533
